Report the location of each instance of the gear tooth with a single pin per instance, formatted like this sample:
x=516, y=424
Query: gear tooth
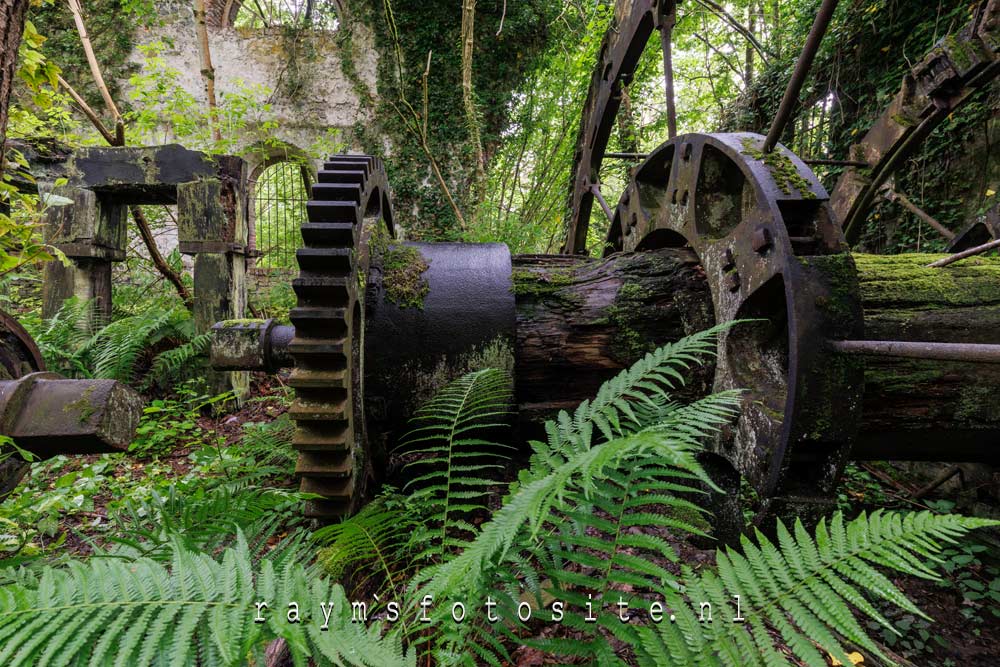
x=346, y=165
x=331, y=507
x=330, y=410
x=325, y=259
x=325, y=437
x=324, y=465
x=342, y=174
x=337, y=192
x=332, y=211
x=313, y=290
x=322, y=348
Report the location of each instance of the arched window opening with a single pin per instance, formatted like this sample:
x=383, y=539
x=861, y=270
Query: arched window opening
x=259, y=14
x=279, y=208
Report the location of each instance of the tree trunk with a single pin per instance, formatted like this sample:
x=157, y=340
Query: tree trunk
x=913, y=408
x=12, y=14
x=580, y=321
x=207, y=69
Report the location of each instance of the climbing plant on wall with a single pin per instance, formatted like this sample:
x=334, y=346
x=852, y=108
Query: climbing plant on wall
x=871, y=46
x=502, y=61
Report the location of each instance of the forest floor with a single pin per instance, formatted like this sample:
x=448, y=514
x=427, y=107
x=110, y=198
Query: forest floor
x=965, y=605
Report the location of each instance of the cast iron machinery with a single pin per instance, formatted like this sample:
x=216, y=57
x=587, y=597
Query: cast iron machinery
x=46, y=414
x=773, y=243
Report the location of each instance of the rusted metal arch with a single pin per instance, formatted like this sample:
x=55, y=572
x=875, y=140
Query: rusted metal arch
x=772, y=247
x=948, y=76
x=623, y=45
x=761, y=226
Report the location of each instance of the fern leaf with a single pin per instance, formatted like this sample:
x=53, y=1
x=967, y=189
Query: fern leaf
x=191, y=610
x=449, y=473
x=805, y=587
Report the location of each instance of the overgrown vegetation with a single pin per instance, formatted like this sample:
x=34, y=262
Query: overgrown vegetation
x=581, y=547
x=592, y=517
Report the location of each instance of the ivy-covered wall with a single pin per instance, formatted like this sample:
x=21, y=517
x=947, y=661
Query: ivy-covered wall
x=870, y=46
x=112, y=26
x=500, y=64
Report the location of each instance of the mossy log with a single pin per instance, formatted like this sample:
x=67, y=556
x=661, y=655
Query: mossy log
x=930, y=410
x=581, y=320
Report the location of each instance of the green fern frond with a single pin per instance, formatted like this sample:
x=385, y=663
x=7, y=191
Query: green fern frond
x=77, y=345
x=115, y=349
x=375, y=543
x=652, y=378
x=805, y=588
x=192, y=610
x=168, y=363
x=610, y=539
x=269, y=446
x=202, y=520
x=453, y=457
x=530, y=505
x=61, y=338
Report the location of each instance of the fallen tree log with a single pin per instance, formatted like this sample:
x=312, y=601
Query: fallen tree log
x=581, y=320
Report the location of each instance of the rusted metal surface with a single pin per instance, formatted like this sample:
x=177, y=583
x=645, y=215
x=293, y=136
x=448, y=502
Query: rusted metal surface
x=957, y=66
x=791, y=97
x=967, y=352
x=251, y=345
x=619, y=55
x=334, y=461
x=47, y=414
x=19, y=354
x=666, y=28
x=978, y=232
x=595, y=189
x=466, y=321
x=762, y=229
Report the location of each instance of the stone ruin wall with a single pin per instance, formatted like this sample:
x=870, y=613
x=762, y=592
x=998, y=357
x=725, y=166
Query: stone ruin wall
x=328, y=100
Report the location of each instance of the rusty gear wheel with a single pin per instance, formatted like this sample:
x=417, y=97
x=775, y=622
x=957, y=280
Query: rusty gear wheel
x=351, y=196
x=19, y=356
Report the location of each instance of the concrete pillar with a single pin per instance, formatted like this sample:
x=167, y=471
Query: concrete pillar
x=212, y=226
x=90, y=232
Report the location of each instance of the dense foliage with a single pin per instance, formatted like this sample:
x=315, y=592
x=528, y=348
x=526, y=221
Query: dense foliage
x=175, y=586
x=163, y=554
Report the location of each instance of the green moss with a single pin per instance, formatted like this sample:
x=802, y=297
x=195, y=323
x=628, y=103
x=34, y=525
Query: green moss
x=978, y=404
x=839, y=273
x=901, y=279
x=959, y=51
x=782, y=169
x=626, y=314
x=402, y=267
x=903, y=375
x=900, y=119
x=541, y=283
x=241, y=323
x=82, y=406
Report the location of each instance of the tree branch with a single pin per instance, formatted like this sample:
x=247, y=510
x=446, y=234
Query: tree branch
x=720, y=11
x=88, y=112
x=88, y=50
x=154, y=254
